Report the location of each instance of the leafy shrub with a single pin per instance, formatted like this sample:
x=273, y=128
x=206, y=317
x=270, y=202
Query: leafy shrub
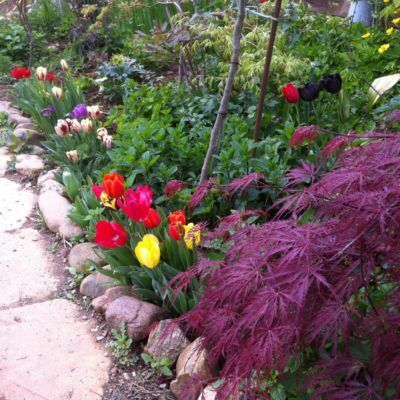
x=316, y=303
x=112, y=76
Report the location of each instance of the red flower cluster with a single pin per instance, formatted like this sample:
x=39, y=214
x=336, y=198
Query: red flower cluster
x=20, y=73
x=176, y=221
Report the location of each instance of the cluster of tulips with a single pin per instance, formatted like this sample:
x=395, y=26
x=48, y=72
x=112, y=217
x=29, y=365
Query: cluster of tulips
x=136, y=205
x=83, y=120
x=310, y=91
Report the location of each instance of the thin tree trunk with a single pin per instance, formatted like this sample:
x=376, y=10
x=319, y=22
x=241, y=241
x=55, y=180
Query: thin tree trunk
x=23, y=16
x=217, y=130
x=267, y=68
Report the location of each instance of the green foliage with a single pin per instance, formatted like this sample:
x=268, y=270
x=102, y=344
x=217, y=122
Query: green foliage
x=111, y=76
x=55, y=19
x=121, y=347
x=163, y=366
x=71, y=183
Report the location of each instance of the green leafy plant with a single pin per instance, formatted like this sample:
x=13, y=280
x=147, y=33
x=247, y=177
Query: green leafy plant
x=121, y=347
x=163, y=366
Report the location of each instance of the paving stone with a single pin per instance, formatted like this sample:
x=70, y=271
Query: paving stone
x=29, y=164
x=47, y=353
x=26, y=272
x=4, y=106
x=17, y=204
x=4, y=160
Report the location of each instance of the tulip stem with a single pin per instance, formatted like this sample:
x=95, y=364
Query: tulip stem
x=315, y=112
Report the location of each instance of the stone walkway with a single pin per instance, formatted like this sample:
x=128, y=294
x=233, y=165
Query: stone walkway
x=47, y=351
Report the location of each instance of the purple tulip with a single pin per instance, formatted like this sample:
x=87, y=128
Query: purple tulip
x=49, y=111
x=79, y=112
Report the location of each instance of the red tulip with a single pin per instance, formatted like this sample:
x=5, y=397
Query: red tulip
x=176, y=231
x=136, y=203
x=290, y=93
x=50, y=77
x=177, y=217
x=114, y=185
x=97, y=190
x=173, y=187
x=152, y=220
x=110, y=235
x=20, y=73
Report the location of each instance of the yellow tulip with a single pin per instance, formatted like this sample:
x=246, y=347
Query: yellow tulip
x=192, y=235
x=389, y=31
x=148, y=251
x=383, y=48
x=366, y=35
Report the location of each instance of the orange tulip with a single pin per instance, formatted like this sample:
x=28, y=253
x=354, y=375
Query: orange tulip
x=114, y=185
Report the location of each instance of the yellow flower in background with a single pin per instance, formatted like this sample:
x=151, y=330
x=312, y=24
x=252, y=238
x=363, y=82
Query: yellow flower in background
x=389, y=31
x=192, y=235
x=386, y=1
x=383, y=48
x=148, y=251
x=366, y=35
x=396, y=21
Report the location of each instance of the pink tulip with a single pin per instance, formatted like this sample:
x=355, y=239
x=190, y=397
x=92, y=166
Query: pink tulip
x=136, y=203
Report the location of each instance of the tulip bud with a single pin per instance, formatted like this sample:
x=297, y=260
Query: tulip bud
x=64, y=65
x=57, y=92
x=101, y=132
x=107, y=141
x=41, y=73
x=86, y=125
x=93, y=112
x=62, y=127
x=73, y=156
x=75, y=126
x=310, y=91
x=291, y=93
